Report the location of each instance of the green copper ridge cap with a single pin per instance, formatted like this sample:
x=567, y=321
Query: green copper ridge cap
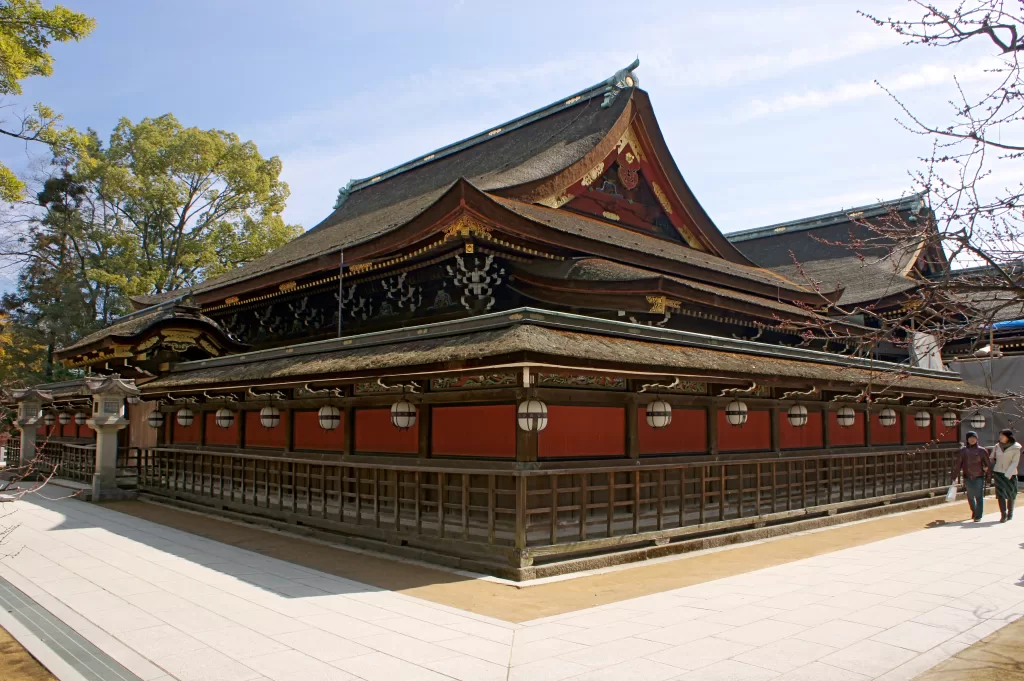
x=913, y=202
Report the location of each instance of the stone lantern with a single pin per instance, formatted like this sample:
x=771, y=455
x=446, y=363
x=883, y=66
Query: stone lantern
x=108, y=398
x=30, y=415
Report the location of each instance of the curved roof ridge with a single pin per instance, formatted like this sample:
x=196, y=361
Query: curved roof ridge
x=603, y=89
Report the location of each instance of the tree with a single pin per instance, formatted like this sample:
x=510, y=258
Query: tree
x=185, y=204
x=971, y=180
x=27, y=30
x=159, y=208
x=57, y=299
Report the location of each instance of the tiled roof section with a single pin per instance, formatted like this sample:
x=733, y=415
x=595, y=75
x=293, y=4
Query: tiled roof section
x=547, y=342
x=592, y=228
x=536, y=146
x=818, y=252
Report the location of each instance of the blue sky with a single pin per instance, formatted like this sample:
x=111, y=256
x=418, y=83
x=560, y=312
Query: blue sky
x=769, y=108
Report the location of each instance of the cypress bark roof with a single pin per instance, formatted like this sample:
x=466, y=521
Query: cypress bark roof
x=591, y=228
x=542, y=335
x=837, y=251
x=600, y=271
x=528, y=148
x=131, y=327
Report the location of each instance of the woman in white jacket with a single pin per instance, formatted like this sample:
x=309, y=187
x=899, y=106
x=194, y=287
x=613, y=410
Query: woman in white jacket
x=1005, y=456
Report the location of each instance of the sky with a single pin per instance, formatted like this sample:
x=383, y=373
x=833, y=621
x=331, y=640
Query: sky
x=770, y=108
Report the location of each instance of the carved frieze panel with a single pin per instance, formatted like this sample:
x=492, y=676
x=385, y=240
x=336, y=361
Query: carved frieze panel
x=567, y=380
x=470, y=382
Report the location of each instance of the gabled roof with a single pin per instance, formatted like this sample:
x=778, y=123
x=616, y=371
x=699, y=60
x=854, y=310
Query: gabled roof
x=525, y=149
x=911, y=204
x=131, y=328
x=529, y=160
x=838, y=251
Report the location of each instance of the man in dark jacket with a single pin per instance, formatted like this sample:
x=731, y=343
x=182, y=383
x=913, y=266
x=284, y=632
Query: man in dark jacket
x=974, y=462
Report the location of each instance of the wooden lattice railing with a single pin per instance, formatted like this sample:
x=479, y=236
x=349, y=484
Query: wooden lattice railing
x=66, y=460
x=522, y=515
x=12, y=452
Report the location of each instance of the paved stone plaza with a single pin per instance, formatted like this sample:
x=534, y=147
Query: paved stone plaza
x=167, y=604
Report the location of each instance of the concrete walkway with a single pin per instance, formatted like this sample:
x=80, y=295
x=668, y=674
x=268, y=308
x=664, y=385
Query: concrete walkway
x=171, y=605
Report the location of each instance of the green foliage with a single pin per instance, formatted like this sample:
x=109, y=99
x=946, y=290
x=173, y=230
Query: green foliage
x=27, y=30
x=160, y=208
x=185, y=204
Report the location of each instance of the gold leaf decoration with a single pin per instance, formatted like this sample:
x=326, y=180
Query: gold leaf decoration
x=466, y=225
x=659, y=194
x=556, y=200
x=629, y=139
x=594, y=173
x=660, y=304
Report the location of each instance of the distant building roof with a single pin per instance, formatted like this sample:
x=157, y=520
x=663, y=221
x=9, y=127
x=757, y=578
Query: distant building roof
x=838, y=251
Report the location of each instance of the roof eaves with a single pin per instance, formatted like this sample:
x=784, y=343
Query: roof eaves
x=565, y=321
x=914, y=202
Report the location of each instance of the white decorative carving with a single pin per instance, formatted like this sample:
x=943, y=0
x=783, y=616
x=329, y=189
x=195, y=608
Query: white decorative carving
x=402, y=292
x=477, y=283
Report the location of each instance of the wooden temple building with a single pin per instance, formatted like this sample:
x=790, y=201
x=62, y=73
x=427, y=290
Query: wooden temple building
x=519, y=354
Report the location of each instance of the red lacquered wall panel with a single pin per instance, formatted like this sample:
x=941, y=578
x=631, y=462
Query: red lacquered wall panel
x=258, y=436
x=807, y=436
x=221, y=437
x=687, y=433
x=753, y=436
x=474, y=431
x=375, y=433
x=69, y=429
x=307, y=433
x=180, y=434
x=915, y=434
x=583, y=432
x=884, y=435
x=86, y=431
x=849, y=436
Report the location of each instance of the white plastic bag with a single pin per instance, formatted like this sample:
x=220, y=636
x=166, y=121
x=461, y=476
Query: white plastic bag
x=951, y=494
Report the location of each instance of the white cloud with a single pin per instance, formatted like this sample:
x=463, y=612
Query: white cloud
x=925, y=76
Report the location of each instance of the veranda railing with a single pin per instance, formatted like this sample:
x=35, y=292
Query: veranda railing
x=66, y=460
x=526, y=515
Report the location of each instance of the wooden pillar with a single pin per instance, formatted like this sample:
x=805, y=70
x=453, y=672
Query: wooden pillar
x=349, y=447
x=241, y=429
x=902, y=413
x=289, y=429
x=632, y=438
x=867, y=426
x=201, y=415
x=426, y=422
x=526, y=445
x=826, y=429
x=712, y=416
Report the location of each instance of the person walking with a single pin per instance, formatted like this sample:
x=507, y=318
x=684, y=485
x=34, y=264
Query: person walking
x=973, y=461
x=1006, y=456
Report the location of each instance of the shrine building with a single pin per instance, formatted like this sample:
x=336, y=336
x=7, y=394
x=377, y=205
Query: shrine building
x=528, y=352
